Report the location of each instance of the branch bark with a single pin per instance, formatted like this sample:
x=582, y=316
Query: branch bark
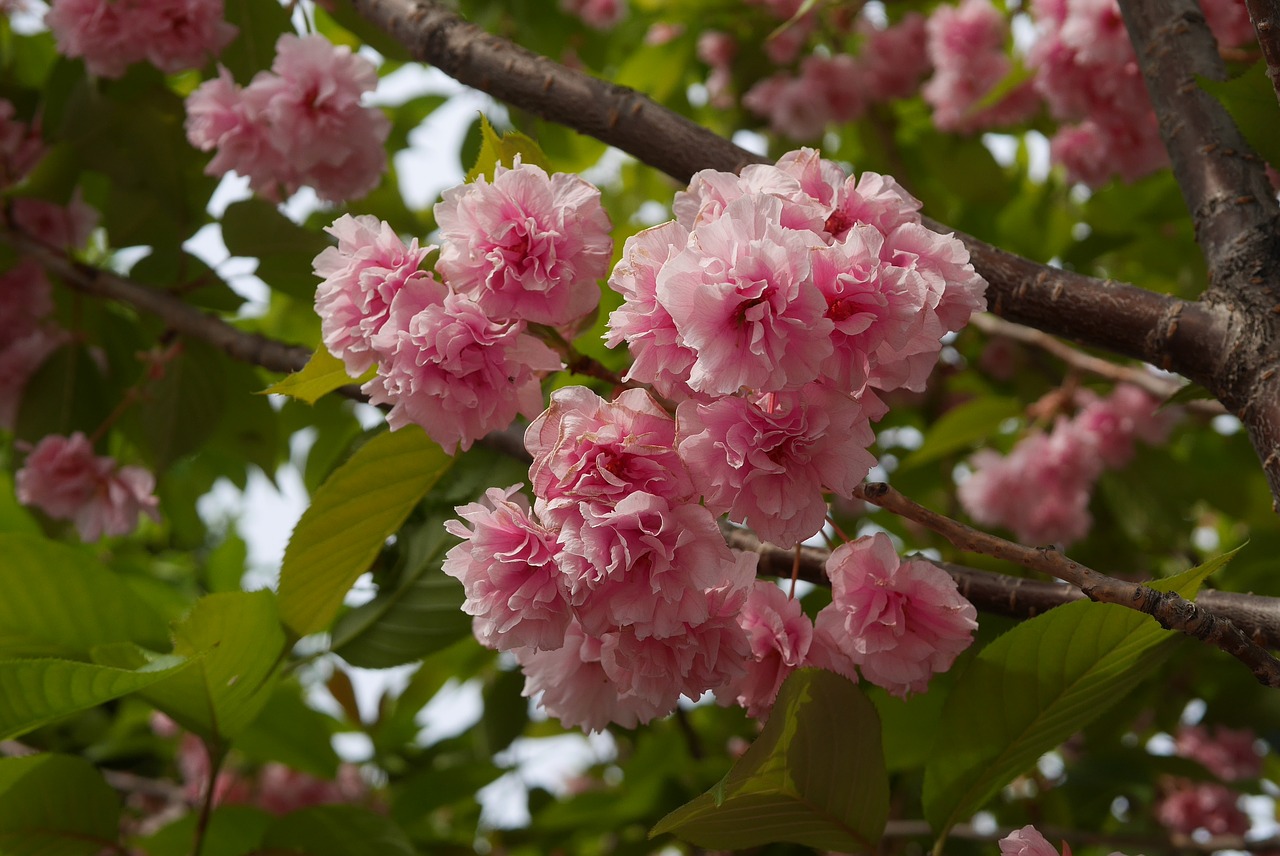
x=1265, y=15
x=1172, y=611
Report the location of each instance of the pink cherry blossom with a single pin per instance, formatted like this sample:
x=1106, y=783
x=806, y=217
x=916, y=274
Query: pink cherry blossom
x=901, y=621
x=768, y=460
x=506, y=563
x=66, y=480
x=570, y=684
x=586, y=449
x=281, y=790
x=527, y=245
x=1028, y=841
x=890, y=60
x=1114, y=422
x=66, y=227
x=20, y=146
x=361, y=277
x=780, y=635
x=1230, y=754
x=111, y=35
x=643, y=564
x=597, y=14
x=659, y=357
x=1192, y=806
x=742, y=299
x=301, y=123
x=446, y=366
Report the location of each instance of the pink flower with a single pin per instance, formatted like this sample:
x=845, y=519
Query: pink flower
x=506, y=563
x=586, y=449
x=299, y=124
x=597, y=14
x=891, y=62
x=66, y=227
x=1230, y=754
x=444, y=365
x=1113, y=423
x=281, y=790
x=111, y=35
x=779, y=634
x=64, y=479
x=20, y=146
x=767, y=460
x=527, y=246
x=742, y=299
x=25, y=299
x=361, y=277
x=1028, y=841
x=900, y=622
x=1210, y=806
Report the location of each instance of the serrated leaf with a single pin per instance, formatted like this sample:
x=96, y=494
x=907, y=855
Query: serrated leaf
x=322, y=374
x=238, y=638
x=1251, y=101
x=405, y=624
x=814, y=776
x=284, y=250
x=496, y=150
x=350, y=518
x=962, y=426
x=55, y=805
x=337, y=830
x=60, y=601
x=36, y=692
x=1037, y=685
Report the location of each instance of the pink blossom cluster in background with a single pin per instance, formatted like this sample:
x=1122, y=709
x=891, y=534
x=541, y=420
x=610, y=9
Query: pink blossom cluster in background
x=20, y=146
x=457, y=357
x=111, y=35
x=27, y=334
x=1041, y=489
x=597, y=14
x=64, y=478
x=301, y=123
x=1231, y=755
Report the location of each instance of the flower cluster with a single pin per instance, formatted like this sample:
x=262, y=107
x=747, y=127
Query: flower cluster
x=20, y=146
x=1231, y=755
x=597, y=14
x=64, y=478
x=27, y=337
x=1041, y=489
x=111, y=35
x=301, y=123
x=457, y=357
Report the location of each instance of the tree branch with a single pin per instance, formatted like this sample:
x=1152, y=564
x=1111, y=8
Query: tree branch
x=1172, y=611
x=1266, y=23
x=1017, y=597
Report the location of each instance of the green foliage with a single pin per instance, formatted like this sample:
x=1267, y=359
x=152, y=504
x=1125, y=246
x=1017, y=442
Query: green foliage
x=322, y=374
x=502, y=150
x=55, y=805
x=815, y=775
x=1251, y=100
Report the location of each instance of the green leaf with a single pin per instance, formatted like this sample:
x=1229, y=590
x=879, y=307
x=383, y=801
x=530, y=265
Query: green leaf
x=260, y=25
x=1037, y=685
x=337, y=830
x=350, y=518
x=36, y=692
x=14, y=517
x=66, y=394
x=961, y=427
x=55, y=805
x=181, y=409
x=1251, y=101
x=285, y=251
x=322, y=374
x=496, y=150
x=506, y=710
x=60, y=601
x=241, y=641
x=288, y=731
x=233, y=830
x=814, y=776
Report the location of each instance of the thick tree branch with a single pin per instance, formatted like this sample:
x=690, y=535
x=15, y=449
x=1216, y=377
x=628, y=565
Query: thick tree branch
x=1222, y=180
x=1016, y=597
x=1266, y=23
x=1172, y=611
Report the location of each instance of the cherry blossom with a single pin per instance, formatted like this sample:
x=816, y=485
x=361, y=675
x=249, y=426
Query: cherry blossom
x=66, y=227
x=597, y=14
x=360, y=277
x=67, y=481
x=780, y=635
x=528, y=245
x=1230, y=754
x=111, y=35
x=20, y=146
x=1191, y=806
x=506, y=564
x=1028, y=841
x=899, y=621
x=445, y=365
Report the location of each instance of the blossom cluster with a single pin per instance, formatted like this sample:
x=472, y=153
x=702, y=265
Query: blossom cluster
x=1232, y=756
x=301, y=123
x=65, y=479
x=111, y=35
x=1041, y=489
x=456, y=357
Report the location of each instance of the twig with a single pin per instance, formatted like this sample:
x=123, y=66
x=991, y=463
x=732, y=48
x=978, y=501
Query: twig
x=1160, y=387
x=1266, y=23
x=1172, y=611
x=1017, y=597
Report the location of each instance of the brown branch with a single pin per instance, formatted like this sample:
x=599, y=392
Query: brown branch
x=1266, y=24
x=1017, y=597
x=1172, y=611
x=1160, y=387
x=1223, y=182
